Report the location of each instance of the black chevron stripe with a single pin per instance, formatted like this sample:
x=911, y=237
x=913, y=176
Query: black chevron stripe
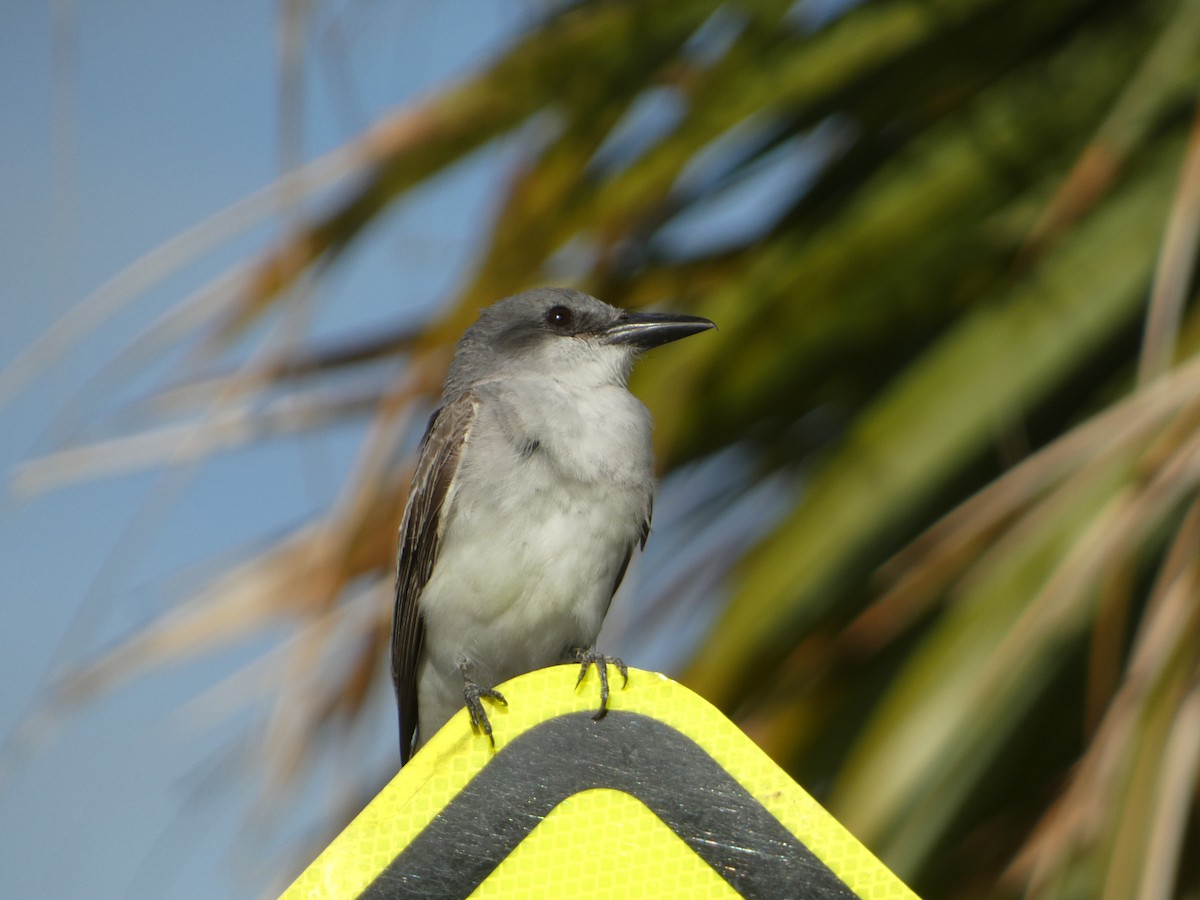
x=663, y=768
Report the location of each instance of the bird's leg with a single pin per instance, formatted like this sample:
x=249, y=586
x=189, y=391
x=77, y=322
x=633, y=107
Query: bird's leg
x=473, y=694
x=586, y=657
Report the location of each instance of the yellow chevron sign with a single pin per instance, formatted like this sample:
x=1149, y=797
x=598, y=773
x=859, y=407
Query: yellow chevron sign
x=664, y=797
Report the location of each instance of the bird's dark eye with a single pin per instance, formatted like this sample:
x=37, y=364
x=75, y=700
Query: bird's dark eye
x=559, y=317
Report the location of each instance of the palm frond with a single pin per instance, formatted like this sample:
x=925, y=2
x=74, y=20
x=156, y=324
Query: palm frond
x=974, y=633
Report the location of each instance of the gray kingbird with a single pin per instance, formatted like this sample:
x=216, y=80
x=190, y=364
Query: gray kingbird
x=533, y=485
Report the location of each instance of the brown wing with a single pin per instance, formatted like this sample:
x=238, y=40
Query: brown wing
x=420, y=536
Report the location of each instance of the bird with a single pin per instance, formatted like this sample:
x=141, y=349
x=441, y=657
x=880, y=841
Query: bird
x=534, y=483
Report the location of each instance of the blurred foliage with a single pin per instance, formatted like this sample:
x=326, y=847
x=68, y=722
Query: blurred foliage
x=954, y=311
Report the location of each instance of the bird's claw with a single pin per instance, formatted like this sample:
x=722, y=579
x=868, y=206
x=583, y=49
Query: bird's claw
x=588, y=658
x=473, y=694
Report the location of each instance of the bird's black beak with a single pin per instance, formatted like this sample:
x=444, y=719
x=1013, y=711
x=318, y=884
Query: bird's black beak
x=646, y=330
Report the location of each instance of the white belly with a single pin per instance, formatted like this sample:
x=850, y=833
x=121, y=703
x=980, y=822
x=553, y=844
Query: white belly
x=525, y=572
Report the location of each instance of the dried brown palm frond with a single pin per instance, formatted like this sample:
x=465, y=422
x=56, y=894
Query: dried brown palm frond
x=957, y=215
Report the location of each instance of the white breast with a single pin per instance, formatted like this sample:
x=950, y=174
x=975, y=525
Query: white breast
x=551, y=495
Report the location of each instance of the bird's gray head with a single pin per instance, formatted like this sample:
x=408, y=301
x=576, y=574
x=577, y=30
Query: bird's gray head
x=561, y=333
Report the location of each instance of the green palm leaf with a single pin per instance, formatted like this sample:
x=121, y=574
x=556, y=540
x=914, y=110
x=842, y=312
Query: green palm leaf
x=985, y=663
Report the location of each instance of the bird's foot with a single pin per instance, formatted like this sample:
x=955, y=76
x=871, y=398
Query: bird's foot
x=473, y=694
x=586, y=658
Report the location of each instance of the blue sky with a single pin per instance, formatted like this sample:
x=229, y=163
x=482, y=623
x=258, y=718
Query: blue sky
x=119, y=128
